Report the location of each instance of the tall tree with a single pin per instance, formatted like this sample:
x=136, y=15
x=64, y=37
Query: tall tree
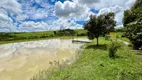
x=133, y=24
x=99, y=25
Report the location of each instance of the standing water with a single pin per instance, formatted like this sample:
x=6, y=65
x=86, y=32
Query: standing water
x=21, y=61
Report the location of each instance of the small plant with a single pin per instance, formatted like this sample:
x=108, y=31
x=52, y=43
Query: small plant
x=112, y=49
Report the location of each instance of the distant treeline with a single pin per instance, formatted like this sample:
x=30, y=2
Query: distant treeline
x=11, y=36
x=120, y=30
x=70, y=32
x=37, y=35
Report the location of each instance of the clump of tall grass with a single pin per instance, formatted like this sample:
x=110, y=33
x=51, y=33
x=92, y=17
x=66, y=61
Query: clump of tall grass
x=56, y=66
x=112, y=48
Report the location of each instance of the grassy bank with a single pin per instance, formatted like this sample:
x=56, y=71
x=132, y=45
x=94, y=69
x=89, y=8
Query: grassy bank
x=36, y=39
x=30, y=36
x=94, y=64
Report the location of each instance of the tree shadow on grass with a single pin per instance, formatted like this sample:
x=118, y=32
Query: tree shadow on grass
x=139, y=54
x=116, y=57
x=95, y=47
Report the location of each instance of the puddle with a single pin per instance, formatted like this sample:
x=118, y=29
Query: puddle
x=21, y=61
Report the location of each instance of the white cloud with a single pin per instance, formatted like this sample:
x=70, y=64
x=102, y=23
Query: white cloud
x=86, y=2
x=69, y=10
x=21, y=17
x=66, y=9
x=107, y=3
x=37, y=9
x=63, y=24
x=35, y=13
x=117, y=10
x=11, y=6
x=119, y=26
x=69, y=25
x=119, y=18
x=32, y=26
x=80, y=9
x=6, y=23
x=38, y=13
x=129, y=4
x=99, y=4
x=3, y=11
x=72, y=10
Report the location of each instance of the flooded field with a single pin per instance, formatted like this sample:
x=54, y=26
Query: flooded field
x=21, y=61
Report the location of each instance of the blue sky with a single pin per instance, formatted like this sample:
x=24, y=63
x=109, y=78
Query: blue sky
x=43, y=15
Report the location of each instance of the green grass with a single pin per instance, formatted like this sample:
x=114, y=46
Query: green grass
x=36, y=39
x=79, y=31
x=95, y=64
x=47, y=33
x=31, y=36
x=119, y=35
x=126, y=39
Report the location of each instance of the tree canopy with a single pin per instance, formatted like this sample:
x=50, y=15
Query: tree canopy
x=133, y=23
x=100, y=25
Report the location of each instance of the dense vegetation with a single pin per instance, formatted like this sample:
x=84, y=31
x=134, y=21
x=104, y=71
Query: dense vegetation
x=120, y=30
x=66, y=32
x=15, y=36
x=133, y=24
x=100, y=25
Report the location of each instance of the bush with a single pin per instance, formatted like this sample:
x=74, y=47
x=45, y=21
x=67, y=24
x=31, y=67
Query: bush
x=82, y=34
x=112, y=49
x=120, y=30
x=65, y=32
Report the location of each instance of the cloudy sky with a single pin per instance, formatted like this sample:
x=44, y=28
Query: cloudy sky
x=43, y=15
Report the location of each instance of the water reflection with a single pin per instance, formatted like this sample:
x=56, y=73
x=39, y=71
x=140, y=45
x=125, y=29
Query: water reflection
x=20, y=61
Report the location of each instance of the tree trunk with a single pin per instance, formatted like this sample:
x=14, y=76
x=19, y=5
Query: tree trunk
x=97, y=41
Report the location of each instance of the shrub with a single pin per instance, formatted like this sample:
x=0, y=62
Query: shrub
x=112, y=49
